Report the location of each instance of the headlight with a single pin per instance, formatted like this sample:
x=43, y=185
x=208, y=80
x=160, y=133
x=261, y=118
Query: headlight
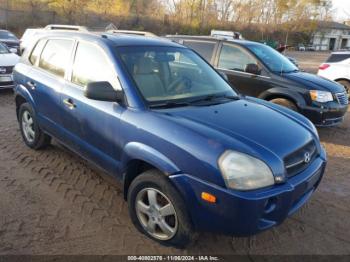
x=243, y=172
x=321, y=96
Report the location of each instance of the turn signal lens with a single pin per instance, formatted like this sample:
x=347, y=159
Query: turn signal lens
x=313, y=95
x=208, y=197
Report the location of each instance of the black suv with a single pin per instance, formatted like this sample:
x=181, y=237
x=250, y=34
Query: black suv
x=258, y=70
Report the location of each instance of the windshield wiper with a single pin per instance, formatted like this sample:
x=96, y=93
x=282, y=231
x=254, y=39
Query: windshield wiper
x=169, y=105
x=287, y=72
x=210, y=98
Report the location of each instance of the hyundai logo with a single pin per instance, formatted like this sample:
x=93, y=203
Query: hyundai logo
x=307, y=157
x=2, y=70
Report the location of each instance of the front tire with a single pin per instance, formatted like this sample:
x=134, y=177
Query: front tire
x=31, y=133
x=346, y=85
x=158, y=211
x=286, y=103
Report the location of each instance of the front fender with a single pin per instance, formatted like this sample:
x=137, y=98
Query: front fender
x=140, y=151
x=284, y=93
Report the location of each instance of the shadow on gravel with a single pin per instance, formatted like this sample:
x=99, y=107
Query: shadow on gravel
x=335, y=135
x=6, y=91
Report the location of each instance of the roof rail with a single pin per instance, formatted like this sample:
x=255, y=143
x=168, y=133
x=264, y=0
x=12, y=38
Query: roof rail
x=66, y=27
x=131, y=32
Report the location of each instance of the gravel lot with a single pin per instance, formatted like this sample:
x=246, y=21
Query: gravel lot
x=309, y=61
x=53, y=202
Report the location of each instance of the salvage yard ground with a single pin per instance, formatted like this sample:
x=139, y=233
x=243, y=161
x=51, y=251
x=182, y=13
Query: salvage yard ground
x=53, y=202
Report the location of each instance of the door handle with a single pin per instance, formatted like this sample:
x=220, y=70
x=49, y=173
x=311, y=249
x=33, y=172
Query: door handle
x=31, y=84
x=69, y=103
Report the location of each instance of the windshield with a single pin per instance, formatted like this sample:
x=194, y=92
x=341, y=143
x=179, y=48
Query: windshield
x=274, y=60
x=7, y=35
x=3, y=49
x=170, y=74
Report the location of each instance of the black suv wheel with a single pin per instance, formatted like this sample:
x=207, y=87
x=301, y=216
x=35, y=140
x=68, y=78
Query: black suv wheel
x=286, y=103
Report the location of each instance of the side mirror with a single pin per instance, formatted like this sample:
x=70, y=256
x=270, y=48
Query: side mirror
x=103, y=91
x=223, y=75
x=252, y=69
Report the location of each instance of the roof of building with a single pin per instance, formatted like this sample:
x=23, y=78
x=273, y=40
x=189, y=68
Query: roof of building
x=333, y=25
x=341, y=52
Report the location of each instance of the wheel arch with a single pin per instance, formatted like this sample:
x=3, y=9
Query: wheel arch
x=139, y=158
x=19, y=100
x=342, y=79
x=22, y=95
x=274, y=93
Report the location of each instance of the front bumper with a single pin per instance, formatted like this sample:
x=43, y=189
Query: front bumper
x=6, y=81
x=247, y=213
x=330, y=114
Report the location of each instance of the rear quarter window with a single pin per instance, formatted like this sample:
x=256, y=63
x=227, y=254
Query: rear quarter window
x=204, y=48
x=55, y=57
x=334, y=58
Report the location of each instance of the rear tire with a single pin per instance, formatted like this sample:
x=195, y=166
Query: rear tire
x=32, y=135
x=286, y=103
x=346, y=85
x=172, y=229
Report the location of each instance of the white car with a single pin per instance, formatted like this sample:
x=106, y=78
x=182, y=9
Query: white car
x=30, y=35
x=337, y=68
x=7, y=62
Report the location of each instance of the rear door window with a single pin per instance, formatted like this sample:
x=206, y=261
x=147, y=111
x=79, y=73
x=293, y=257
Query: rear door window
x=204, y=48
x=55, y=57
x=334, y=58
x=37, y=51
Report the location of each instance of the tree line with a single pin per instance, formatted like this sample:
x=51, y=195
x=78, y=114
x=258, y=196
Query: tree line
x=255, y=18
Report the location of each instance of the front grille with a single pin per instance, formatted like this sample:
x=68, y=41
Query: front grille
x=342, y=98
x=10, y=45
x=300, y=159
x=5, y=70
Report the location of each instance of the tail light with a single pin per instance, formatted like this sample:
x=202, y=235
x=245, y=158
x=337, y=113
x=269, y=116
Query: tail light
x=323, y=66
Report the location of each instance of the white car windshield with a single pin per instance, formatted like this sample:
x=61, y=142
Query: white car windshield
x=7, y=35
x=170, y=74
x=3, y=49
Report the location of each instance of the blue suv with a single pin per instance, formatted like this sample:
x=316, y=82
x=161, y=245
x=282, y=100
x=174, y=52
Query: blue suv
x=192, y=154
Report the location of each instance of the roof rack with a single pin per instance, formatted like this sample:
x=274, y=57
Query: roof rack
x=67, y=27
x=131, y=32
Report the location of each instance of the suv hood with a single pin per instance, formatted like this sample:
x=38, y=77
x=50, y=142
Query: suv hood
x=247, y=122
x=314, y=82
x=8, y=59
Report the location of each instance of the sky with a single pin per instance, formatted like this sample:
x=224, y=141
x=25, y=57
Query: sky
x=341, y=10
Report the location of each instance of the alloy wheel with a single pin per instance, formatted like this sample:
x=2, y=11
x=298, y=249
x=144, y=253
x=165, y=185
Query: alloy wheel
x=28, y=126
x=156, y=214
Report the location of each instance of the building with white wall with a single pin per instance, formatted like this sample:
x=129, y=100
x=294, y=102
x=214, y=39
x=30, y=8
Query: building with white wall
x=331, y=36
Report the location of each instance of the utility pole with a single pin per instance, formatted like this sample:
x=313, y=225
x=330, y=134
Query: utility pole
x=6, y=14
